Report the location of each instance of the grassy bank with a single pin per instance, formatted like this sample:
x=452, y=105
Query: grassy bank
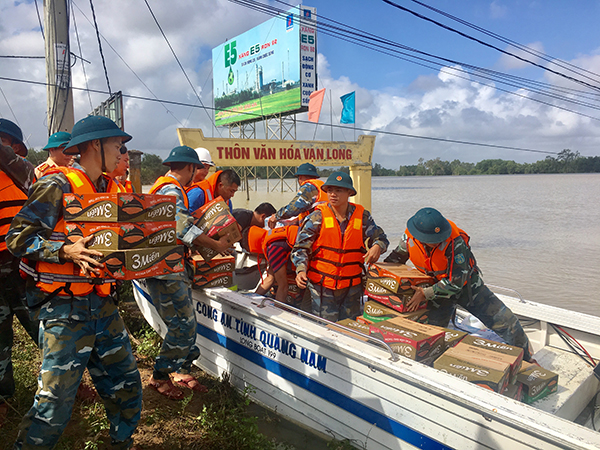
x=218, y=419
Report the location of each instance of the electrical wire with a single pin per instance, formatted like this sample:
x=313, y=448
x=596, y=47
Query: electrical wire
x=100, y=46
x=13, y=113
x=22, y=57
x=37, y=10
x=257, y=116
x=575, y=346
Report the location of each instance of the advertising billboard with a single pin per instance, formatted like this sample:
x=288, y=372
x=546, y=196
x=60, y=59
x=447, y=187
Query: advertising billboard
x=268, y=70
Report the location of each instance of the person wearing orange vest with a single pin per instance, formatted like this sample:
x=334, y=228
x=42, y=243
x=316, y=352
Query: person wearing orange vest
x=439, y=248
x=121, y=170
x=330, y=254
x=222, y=183
x=16, y=176
x=56, y=156
x=308, y=196
x=172, y=294
x=80, y=322
x=276, y=245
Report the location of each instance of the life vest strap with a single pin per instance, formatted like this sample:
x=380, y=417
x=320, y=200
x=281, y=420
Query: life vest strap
x=335, y=277
x=50, y=278
x=339, y=250
x=336, y=263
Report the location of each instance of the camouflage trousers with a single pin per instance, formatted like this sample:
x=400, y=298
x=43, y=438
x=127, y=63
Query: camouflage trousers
x=12, y=303
x=173, y=301
x=490, y=310
x=69, y=346
x=337, y=304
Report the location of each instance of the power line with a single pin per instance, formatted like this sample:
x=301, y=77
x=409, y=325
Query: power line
x=100, y=46
x=22, y=57
x=257, y=116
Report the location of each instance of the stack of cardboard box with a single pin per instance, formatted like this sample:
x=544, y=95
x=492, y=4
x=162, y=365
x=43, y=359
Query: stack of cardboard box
x=215, y=219
x=393, y=285
x=217, y=272
x=136, y=233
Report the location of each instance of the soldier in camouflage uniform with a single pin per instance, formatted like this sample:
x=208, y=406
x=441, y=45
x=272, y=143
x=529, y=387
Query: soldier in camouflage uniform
x=77, y=330
x=445, y=249
x=305, y=200
x=17, y=177
x=172, y=294
x=334, y=277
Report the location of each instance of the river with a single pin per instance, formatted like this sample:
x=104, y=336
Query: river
x=536, y=234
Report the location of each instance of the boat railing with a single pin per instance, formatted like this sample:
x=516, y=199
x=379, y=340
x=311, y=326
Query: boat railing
x=507, y=289
x=266, y=301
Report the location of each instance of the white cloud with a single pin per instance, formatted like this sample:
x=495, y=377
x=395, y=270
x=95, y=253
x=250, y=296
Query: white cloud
x=508, y=62
x=498, y=10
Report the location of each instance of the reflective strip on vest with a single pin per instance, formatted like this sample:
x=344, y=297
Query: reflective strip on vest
x=337, y=261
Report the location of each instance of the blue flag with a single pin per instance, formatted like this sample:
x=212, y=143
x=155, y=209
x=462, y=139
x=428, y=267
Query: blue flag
x=348, y=111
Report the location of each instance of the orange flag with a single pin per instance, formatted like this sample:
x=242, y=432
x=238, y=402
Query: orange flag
x=314, y=105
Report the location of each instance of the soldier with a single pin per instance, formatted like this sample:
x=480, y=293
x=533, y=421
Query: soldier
x=307, y=198
x=121, y=171
x=246, y=218
x=16, y=176
x=172, y=294
x=80, y=322
x=56, y=156
x=329, y=253
x=437, y=247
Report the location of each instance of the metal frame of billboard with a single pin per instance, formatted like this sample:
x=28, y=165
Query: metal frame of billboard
x=112, y=108
x=298, y=34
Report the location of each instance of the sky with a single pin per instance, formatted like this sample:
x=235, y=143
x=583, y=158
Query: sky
x=395, y=98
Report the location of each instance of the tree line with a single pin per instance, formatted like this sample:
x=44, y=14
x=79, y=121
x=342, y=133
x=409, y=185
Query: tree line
x=565, y=162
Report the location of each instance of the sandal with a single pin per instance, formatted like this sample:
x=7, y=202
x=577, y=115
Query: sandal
x=166, y=388
x=188, y=381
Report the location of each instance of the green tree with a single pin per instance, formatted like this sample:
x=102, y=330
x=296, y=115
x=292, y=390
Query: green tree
x=152, y=168
x=36, y=157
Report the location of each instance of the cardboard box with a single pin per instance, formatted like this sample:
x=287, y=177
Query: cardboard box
x=353, y=324
x=514, y=391
x=537, y=382
x=482, y=357
x=413, y=340
x=213, y=280
x=494, y=378
x=216, y=221
x=500, y=347
x=142, y=263
x=376, y=312
x=123, y=235
x=119, y=207
x=453, y=337
x=398, y=278
x=218, y=264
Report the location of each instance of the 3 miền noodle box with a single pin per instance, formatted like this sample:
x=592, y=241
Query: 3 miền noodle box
x=142, y=262
x=414, y=340
x=515, y=353
x=353, y=325
x=480, y=354
x=118, y=207
x=216, y=221
x=491, y=375
x=377, y=312
x=537, y=382
x=218, y=264
x=122, y=235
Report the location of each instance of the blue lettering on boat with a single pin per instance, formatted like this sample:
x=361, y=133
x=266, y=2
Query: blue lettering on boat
x=226, y=320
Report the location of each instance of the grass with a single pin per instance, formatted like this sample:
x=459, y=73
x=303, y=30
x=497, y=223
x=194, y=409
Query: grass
x=216, y=420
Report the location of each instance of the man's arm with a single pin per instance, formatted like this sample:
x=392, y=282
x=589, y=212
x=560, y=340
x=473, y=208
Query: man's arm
x=18, y=169
x=302, y=202
x=196, y=199
x=307, y=235
x=375, y=237
x=400, y=254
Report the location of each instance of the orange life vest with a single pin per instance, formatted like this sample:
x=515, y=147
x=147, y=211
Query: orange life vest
x=11, y=200
x=256, y=238
x=124, y=188
x=208, y=185
x=53, y=278
x=336, y=261
x=163, y=181
x=435, y=264
x=129, y=187
x=321, y=198
x=289, y=233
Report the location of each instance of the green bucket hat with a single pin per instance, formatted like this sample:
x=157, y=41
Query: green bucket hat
x=339, y=179
x=93, y=127
x=183, y=154
x=57, y=140
x=429, y=226
x=13, y=130
x=307, y=169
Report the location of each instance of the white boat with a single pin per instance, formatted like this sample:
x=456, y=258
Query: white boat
x=343, y=387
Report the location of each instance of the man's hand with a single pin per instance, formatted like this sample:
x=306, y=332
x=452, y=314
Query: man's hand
x=79, y=254
x=301, y=280
x=222, y=245
x=416, y=300
x=272, y=222
x=373, y=254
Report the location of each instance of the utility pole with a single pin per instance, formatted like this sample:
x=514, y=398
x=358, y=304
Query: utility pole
x=58, y=66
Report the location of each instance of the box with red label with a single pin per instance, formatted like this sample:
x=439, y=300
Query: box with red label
x=414, y=340
x=122, y=235
x=398, y=278
x=142, y=263
x=218, y=264
x=216, y=221
x=377, y=312
x=119, y=207
x=211, y=280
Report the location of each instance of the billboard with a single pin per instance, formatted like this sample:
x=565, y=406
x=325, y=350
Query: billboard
x=270, y=69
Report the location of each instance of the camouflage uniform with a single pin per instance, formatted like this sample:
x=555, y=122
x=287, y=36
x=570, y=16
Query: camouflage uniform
x=332, y=304
x=464, y=286
x=12, y=286
x=75, y=333
x=172, y=296
x=304, y=200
